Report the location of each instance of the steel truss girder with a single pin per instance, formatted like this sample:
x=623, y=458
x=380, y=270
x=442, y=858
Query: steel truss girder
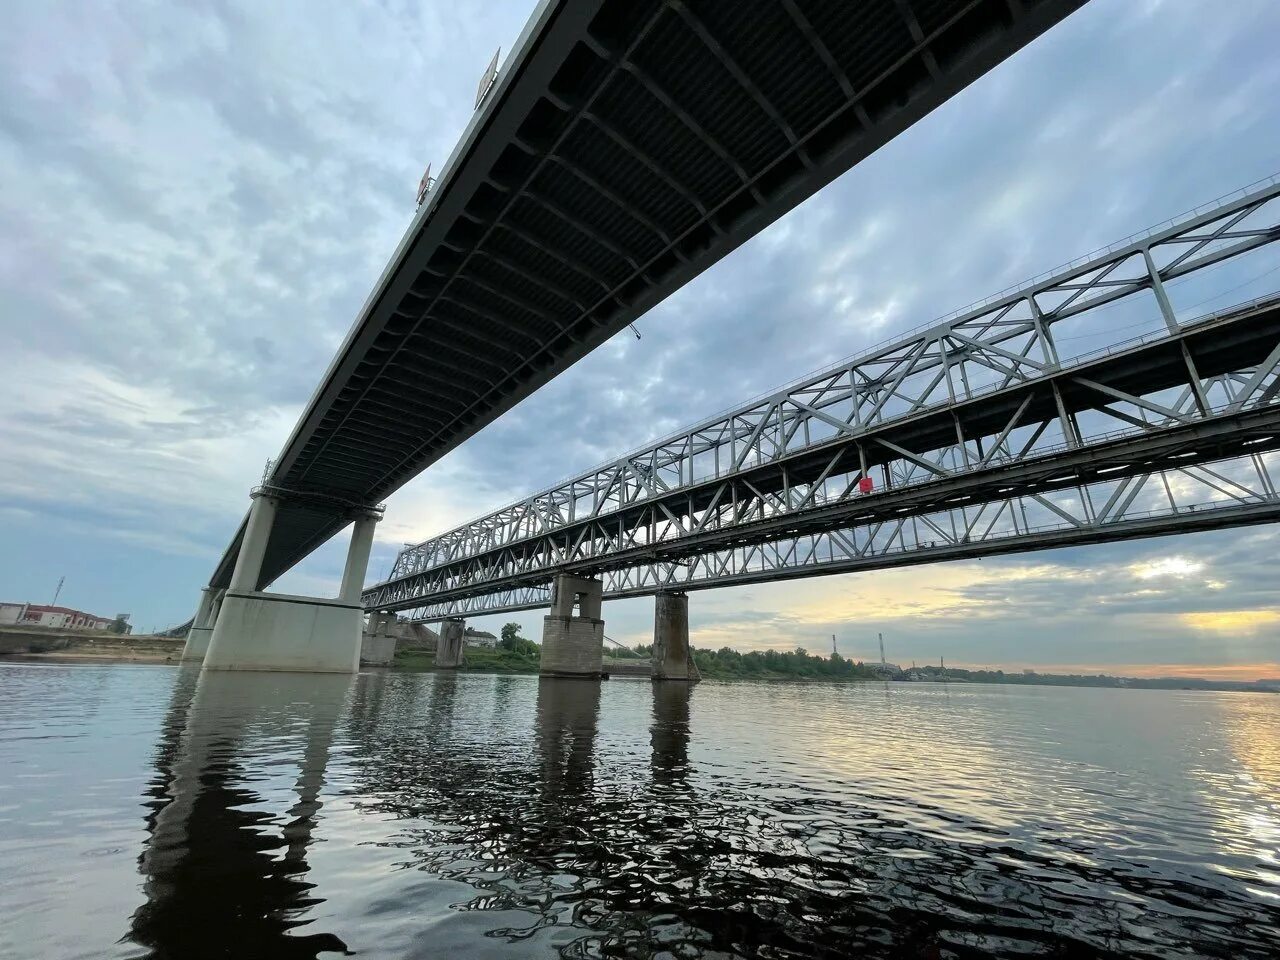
x=1147, y=505
x=1041, y=483
x=779, y=456
x=1019, y=454
x=1005, y=342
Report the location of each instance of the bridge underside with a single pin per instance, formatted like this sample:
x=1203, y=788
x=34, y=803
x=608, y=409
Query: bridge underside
x=628, y=145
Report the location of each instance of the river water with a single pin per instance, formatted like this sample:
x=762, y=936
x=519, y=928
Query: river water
x=149, y=812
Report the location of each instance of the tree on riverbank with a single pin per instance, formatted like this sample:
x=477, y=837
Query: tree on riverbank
x=512, y=641
x=728, y=663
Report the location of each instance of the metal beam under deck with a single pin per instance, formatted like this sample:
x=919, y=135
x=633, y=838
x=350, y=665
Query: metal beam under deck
x=626, y=146
x=647, y=580
x=883, y=547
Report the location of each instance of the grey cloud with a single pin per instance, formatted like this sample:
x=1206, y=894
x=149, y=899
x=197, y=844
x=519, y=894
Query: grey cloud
x=207, y=194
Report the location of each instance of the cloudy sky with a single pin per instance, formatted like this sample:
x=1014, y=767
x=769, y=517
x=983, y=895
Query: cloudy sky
x=199, y=196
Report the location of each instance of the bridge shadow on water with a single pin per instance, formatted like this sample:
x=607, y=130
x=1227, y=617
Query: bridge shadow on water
x=555, y=833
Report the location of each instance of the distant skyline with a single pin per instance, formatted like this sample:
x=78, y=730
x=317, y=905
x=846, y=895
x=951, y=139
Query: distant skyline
x=201, y=199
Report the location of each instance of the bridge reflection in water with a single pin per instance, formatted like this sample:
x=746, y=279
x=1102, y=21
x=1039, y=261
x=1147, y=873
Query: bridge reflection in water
x=515, y=817
x=223, y=877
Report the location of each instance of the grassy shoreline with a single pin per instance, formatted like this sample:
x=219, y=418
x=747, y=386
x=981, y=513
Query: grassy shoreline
x=714, y=665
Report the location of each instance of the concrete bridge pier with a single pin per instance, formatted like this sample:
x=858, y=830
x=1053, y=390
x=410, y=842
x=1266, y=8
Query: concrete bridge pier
x=573, y=632
x=672, y=656
x=449, y=648
x=378, y=644
x=201, y=631
x=272, y=631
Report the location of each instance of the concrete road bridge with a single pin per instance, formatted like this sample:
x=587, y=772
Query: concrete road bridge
x=1032, y=420
x=624, y=147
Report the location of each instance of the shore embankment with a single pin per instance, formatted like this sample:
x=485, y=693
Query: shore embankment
x=87, y=645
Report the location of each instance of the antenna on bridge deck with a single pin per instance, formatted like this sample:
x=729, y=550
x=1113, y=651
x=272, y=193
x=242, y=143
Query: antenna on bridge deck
x=635, y=330
x=487, y=80
x=266, y=470
x=425, y=184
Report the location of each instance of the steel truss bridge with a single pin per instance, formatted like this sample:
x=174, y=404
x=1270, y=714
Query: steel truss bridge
x=1026, y=422
x=625, y=147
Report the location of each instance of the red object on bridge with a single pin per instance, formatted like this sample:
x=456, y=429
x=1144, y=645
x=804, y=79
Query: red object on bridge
x=864, y=485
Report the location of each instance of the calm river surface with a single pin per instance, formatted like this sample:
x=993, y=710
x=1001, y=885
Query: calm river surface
x=145, y=814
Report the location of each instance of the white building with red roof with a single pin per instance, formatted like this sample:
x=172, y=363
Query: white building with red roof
x=40, y=615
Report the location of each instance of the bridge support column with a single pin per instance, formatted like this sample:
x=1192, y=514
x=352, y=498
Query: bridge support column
x=201, y=631
x=271, y=631
x=378, y=645
x=573, y=643
x=453, y=635
x=672, y=656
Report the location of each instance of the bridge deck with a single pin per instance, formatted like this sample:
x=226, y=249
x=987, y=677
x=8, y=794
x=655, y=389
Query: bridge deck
x=626, y=147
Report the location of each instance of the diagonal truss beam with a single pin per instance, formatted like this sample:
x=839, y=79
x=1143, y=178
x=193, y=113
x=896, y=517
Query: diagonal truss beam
x=986, y=391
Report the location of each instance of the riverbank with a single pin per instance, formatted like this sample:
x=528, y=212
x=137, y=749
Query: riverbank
x=484, y=660
x=52, y=646
x=82, y=646
x=475, y=660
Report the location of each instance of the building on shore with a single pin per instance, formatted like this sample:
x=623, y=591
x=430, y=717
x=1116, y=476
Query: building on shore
x=59, y=618
x=480, y=638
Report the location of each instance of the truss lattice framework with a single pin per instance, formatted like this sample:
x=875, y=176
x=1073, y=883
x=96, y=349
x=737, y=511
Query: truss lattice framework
x=992, y=381
x=1241, y=417
x=989, y=348
x=1237, y=493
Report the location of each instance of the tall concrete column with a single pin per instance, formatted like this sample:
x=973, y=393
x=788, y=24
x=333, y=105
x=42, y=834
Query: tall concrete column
x=253, y=548
x=201, y=627
x=449, y=649
x=573, y=632
x=672, y=657
x=270, y=631
x=205, y=608
x=357, y=559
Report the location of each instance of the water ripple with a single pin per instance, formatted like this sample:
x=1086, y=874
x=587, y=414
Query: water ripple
x=433, y=815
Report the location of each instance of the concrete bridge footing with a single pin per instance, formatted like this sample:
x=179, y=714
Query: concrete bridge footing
x=449, y=648
x=271, y=631
x=377, y=651
x=378, y=645
x=255, y=630
x=197, y=643
x=672, y=656
x=573, y=632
